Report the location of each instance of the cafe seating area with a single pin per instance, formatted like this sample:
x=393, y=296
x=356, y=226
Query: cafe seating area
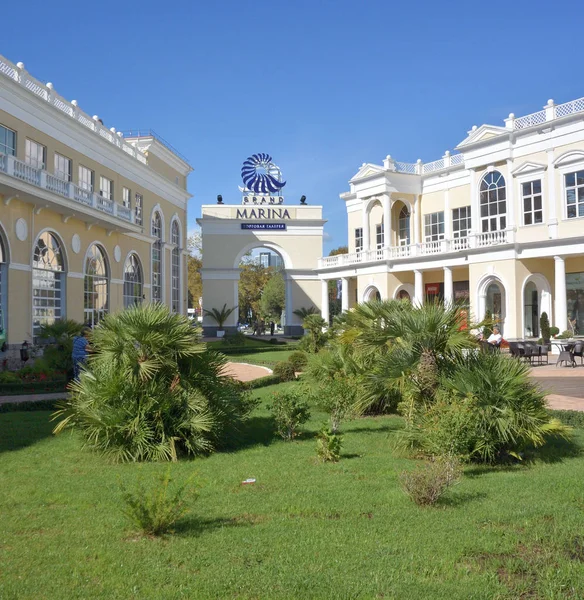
x=529, y=351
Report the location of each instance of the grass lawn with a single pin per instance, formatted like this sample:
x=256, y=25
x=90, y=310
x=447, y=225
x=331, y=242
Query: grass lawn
x=266, y=359
x=304, y=530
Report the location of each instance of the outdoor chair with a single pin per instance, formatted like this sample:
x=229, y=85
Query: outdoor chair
x=578, y=350
x=514, y=350
x=535, y=351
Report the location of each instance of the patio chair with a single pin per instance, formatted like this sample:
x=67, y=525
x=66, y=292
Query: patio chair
x=536, y=352
x=578, y=350
x=514, y=350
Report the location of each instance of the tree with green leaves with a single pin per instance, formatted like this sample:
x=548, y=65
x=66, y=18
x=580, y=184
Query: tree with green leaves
x=273, y=300
x=220, y=315
x=253, y=277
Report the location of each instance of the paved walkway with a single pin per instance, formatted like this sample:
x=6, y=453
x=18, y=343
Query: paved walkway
x=564, y=385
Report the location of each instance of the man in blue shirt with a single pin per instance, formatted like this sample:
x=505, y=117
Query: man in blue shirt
x=80, y=348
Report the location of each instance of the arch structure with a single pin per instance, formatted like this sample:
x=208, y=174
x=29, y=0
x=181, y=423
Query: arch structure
x=493, y=295
x=229, y=232
x=536, y=294
x=371, y=293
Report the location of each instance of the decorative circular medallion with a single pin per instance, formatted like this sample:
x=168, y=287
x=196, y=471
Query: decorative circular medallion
x=76, y=243
x=21, y=229
x=117, y=253
x=261, y=175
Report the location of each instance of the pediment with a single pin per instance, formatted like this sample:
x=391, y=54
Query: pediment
x=482, y=133
x=569, y=158
x=528, y=168
x=367, y=170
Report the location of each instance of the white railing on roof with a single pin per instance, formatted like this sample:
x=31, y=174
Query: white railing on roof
x=403, y=167
x=433, y=166
x=570, y=108
x=47, y=93
x=530, y=120
x=456, y=159
x=13, y=167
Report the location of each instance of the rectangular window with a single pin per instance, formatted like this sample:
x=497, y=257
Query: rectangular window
x=532, y=202
x=379, y=235
x=62, y=167
x=7, y=141
x=358, y=239
x=85, y=179
x=460, y=222
x=434, y=226
x=35, y=154
x=574, y=194
x=106, y=188
x=138, y=209
x=126, y=197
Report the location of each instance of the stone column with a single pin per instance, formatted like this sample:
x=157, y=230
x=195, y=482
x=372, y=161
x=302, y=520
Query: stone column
x=416, y=220
x=418, y=288
x=366, y=236
x=448, y=286
x=345, y=294
x=561, y=304
x=510, y=196
x=387, y=220
x=552, y=216
x=288, y=308
x=324, y=310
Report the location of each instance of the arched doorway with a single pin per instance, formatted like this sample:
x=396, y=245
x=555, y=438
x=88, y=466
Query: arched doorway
x=537, y=299
x=96, y=285
x=404, y=292
x=492, y=299
x=371, y=293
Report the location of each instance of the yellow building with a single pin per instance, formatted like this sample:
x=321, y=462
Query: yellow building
x=91, y=220
x=499, y=225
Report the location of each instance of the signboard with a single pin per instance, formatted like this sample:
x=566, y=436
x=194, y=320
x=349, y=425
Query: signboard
x=264, y=226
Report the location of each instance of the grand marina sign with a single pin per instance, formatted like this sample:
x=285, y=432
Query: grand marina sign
x=263, y=213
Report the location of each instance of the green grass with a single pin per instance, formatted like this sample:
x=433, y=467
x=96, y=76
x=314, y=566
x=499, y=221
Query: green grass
x=266, y=359
x=304, y=530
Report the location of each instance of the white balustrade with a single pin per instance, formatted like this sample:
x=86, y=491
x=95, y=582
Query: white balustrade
x=491, y=238
x=456, y=159
x=104, y=204
x=403, y=167
x=433, y=166
x=26, y=172
x=530, y=120
x=458, y=244
x=124, y=212
x=82, y=196
x=570, y=108
x=434, y=247
x=59, y=186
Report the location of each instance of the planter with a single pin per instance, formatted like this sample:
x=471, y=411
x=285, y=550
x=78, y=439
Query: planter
x=220, y=333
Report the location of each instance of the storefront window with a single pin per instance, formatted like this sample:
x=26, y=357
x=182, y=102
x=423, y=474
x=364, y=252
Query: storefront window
x=575, y=297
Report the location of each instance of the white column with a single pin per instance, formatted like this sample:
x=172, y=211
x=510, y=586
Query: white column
x=510, y=196
x=447, y=215
x=415, y=218
x=288, y=314
x=345, y=294
x=366, y=236
x=324, y=309
x=475, y=213
x=561, y=305
x=418, y=288
x=387, y=220
x=448, y=286
x=550, y=205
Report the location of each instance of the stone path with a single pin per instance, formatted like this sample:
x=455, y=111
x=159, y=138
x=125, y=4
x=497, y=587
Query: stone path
x=564, y=385
x=239, y=371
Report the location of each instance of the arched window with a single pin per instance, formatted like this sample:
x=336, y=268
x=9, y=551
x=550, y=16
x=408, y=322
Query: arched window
x=175, y=239
x=403, y=224
x=3, y=290
x=133, y=281
x=48, y=282
x=493, y=203
x=96, y=285
x=157, y=258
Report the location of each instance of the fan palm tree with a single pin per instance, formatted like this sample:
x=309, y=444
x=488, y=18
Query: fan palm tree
x=220, y=316
x=304, y=312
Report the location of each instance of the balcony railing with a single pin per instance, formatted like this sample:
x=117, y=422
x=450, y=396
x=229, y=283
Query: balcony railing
x=473, y=241
x=13, y=167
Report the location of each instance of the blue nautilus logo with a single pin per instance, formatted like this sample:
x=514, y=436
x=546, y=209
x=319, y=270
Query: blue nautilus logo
x=261, y=175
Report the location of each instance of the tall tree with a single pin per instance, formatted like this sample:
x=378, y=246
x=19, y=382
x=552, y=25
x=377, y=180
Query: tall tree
x=253, y=277
x=273, y=297
x=194, y=264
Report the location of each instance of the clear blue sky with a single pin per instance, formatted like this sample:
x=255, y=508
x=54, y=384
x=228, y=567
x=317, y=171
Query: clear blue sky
x=321, y=85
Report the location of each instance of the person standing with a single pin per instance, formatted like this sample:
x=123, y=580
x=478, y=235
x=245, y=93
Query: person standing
x=80, y=350
x=272, y=327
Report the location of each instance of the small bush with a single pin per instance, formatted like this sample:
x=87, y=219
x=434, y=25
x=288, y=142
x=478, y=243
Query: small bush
x=155, y=511
x=571, y=418
x=566, y=335
x=425, y=485
x=298, y=359
x=9, y=377
x=261, y=382
x=554, y=331
x=285, y=371
x=328, y=445
x=234, y=339
x=289, y=411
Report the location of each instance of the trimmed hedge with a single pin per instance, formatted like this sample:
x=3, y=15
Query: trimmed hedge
x=32, y=387
x=28, y=406
x=228, y=351
x=573, y=418
x=261, y=382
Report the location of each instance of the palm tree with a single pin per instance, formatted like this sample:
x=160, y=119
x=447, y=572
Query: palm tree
x=220, y=316
x=304, y=312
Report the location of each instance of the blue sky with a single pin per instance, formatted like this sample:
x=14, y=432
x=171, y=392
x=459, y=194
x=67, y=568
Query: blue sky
x=321, y=85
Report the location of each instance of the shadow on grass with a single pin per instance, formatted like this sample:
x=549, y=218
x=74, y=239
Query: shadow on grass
x=383, y=429
x=455, y=500
x=349, y=456
x=19, y=430
x=194, y=526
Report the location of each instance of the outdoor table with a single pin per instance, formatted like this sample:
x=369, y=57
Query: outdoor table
x=565, y=352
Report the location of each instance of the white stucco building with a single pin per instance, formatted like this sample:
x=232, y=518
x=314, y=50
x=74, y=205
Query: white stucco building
x=497, y=224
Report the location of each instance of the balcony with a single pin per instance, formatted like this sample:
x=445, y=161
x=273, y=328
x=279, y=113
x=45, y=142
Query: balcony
x=17, y=177
x=426, y=249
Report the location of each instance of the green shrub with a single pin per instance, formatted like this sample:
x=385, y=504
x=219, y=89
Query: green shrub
x=37, y=405
x=260, y=382
x=285, y=371
x=152, y=392
x=289, y=411
x=544, y=324
x=571, y=418
x=328, y=445
x=156, y=510
x=337, y=397
x=9, y=377
x=234, y=339
x=554, y=331
x=298, y=360
x=315, y=336
x=426, y=484
x=565, y=335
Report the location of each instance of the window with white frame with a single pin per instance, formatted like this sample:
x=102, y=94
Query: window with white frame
x=574, y=194
x=460, y=222
x=126, y=197
x=106, y=188
x=48, y=282
x=403, y=227
x=358, y=239
x=434, y=226
x=96, y=285
x=35, y=154
x=493, y=196
x=86, y=179
x=133, y=281
x=7, y=141
x=62, y=167
x=379, y=235
x=157, y=248
x=175, y=239
x=138, y=200
x=532, y=202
